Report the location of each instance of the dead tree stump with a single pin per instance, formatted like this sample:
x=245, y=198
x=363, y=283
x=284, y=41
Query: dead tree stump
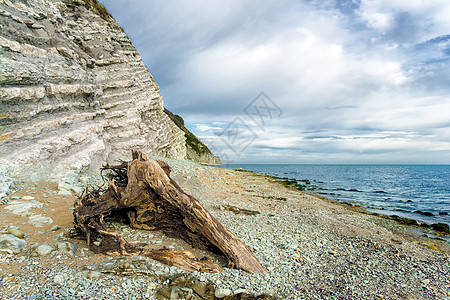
x=142, y=192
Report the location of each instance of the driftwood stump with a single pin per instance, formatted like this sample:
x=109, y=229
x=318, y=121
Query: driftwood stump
x=142, y=192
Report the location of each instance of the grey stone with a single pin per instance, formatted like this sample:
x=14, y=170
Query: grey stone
x=64, y=192
x=39, y=220
x=67, y=247
x=54, y=228
x=44, y=250
x=61, y=237
x=59, y=279
x=239, y=291
x=221, y=293
x=23, y=208
x=93, y=275
x=11, y=244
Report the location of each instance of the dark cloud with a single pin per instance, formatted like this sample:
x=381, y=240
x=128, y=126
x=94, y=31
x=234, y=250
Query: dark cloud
x=356, y=80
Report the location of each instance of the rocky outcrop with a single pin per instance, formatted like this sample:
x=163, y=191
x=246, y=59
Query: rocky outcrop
x=74, y=92
x=195, y=149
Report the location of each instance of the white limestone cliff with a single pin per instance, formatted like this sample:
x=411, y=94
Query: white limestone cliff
x=74, y=92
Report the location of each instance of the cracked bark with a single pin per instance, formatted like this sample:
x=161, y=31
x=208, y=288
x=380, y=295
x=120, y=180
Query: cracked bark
x=142, y=192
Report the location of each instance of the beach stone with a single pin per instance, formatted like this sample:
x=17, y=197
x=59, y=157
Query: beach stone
x=221, y=293
x=93, y=275
x=442, y=227
x=39, y=220
x=59, y=279
x=199, y=288
x=23, y=208
x=64, y=193
x=424, y=213
x=16, y=233
x=44, y=249
x=28, y=198
x=175, y=292
x=67, y=247
x=61, y=237
x=11, y=244
x=54, y=228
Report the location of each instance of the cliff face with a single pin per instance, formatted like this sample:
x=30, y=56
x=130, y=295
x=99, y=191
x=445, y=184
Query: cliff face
x=195, y=149
x=74, y=92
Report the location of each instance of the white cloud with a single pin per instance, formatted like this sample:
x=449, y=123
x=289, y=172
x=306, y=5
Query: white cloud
x=352, y=85
x=432, y=16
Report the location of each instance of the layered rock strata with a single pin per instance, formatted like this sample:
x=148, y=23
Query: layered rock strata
x=74, y=92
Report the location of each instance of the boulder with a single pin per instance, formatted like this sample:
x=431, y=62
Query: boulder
x=11, y=244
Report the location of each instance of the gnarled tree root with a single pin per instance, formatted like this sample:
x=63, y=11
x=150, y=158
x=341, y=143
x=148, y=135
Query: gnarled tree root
x=142, y=192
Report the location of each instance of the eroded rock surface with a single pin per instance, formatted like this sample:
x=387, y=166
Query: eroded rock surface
x=74, y=92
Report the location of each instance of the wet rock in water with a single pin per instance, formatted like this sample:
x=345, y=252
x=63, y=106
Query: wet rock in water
x=424, y=213
x=442, y=227
x=44, y=250
x=11, y=244
x=16, y=233
x=443, y=213
x=401, y=220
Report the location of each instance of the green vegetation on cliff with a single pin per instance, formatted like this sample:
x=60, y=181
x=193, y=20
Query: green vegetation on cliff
x=191, y=140
x=94, y=6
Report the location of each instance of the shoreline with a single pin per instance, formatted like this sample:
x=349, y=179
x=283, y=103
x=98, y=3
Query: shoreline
x=313, y=247
x=417, y=223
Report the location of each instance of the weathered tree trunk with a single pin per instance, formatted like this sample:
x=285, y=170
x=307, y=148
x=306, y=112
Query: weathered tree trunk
x=143, y=192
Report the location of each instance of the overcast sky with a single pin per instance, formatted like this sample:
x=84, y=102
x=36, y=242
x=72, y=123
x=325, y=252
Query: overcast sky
x=342, y=81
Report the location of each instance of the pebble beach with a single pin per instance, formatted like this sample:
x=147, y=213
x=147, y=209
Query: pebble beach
x=313, y=248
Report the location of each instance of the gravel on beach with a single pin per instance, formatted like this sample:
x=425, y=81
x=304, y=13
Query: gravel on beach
x=312, y=247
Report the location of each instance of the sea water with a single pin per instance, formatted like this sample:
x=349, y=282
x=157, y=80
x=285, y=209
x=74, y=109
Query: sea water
x=405, y=190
